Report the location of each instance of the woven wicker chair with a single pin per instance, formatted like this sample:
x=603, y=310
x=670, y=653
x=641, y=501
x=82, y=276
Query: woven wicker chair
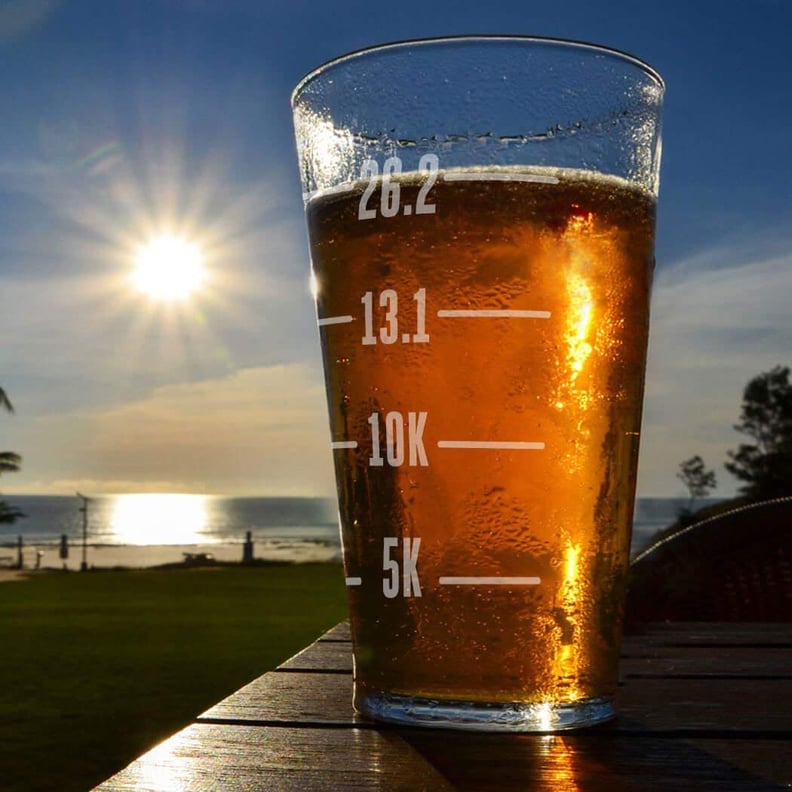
x=736, y=566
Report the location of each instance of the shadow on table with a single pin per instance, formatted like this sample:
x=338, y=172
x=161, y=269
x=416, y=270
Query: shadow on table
x=601, y=758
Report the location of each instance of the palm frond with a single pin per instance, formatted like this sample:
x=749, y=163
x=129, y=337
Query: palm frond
x=9, y=462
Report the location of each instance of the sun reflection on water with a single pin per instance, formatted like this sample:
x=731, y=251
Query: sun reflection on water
x=160, y=519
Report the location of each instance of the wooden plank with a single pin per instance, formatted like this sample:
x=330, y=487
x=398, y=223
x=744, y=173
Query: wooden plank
x=717, y=661
x=319, y=699
x=706, y=705
x=718, y=649
x=329, y=656
x=336, y=657
x=236, y=758
x=767, y=759
x=744, y=633
x=585, y=762
x=698, y=709
x=712, y=633
x=206, y=757
x=662, y=705
x=341, y=632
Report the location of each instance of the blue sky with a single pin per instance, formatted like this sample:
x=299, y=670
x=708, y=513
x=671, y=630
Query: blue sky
x=122, y=119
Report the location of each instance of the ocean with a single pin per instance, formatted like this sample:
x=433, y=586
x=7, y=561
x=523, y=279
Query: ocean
x=149, y=529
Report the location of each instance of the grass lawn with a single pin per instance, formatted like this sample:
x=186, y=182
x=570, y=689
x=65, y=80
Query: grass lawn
x=97, y=667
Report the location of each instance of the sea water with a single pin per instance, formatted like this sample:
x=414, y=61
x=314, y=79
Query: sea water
x=151, y=529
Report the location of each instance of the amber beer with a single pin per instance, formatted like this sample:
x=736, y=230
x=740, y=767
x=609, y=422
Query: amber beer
x=484, y=337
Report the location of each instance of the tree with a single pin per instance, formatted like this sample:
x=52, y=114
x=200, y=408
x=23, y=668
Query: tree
x=9, y=513
x=9, y=463
x=698, y=480
x=765, y=465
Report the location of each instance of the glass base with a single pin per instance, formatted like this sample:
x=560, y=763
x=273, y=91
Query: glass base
x=474, y=716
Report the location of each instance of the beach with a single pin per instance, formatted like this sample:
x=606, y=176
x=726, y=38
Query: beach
x=149, y=530
x=145, y=556
x=145, y=530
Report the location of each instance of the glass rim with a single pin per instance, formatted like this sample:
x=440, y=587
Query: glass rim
x=601, y=49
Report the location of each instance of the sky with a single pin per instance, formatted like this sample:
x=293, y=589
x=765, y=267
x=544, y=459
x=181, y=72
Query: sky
x=122, y=120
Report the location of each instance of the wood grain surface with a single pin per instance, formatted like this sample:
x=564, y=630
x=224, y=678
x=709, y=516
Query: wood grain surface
x=701, y=706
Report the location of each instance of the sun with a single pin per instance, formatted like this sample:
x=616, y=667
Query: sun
x=169, y=268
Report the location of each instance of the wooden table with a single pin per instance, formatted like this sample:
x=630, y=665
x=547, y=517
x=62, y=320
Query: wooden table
x=701, y=707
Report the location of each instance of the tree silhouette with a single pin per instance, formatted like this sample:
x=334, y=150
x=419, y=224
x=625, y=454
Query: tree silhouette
x=765, y=465
x=698, y=480
x=9, y=463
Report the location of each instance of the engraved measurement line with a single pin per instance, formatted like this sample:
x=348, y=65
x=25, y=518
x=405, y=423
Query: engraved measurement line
x=504, y=445
x=487, y=313
x=452, y=176
x=483, y=313
x=337, y=445
x=489, y=581
x=469, y=581
x=334, y=320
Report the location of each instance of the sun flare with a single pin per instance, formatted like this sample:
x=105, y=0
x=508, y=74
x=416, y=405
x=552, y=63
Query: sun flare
x=169, y=268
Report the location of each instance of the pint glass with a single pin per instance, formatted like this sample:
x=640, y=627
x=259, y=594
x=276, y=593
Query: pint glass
x=481, y=222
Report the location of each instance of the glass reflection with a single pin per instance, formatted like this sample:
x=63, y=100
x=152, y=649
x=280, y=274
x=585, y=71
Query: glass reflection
x=160, y=519
x=579, y=324
x=567, y=660
x=560, y=763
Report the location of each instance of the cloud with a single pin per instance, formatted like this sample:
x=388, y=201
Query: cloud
x=260, y=431
x=17, y=18
x=717, y=321
x=85, y=340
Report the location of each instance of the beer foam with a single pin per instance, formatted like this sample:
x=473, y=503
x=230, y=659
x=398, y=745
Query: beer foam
x=538, y=174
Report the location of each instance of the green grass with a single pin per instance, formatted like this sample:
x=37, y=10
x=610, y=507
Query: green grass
x=95, y=668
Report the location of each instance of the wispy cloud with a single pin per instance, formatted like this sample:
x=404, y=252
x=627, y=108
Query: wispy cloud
x=258, y=431
x=718, y=320
x=22, y=16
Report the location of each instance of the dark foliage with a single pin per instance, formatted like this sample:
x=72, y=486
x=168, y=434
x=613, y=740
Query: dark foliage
x=766, y=464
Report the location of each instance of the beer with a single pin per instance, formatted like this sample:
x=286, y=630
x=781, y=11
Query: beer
x=484, y=336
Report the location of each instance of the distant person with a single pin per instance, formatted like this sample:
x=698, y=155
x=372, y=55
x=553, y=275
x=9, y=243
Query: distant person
x=64, y=549
x=247, y=550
